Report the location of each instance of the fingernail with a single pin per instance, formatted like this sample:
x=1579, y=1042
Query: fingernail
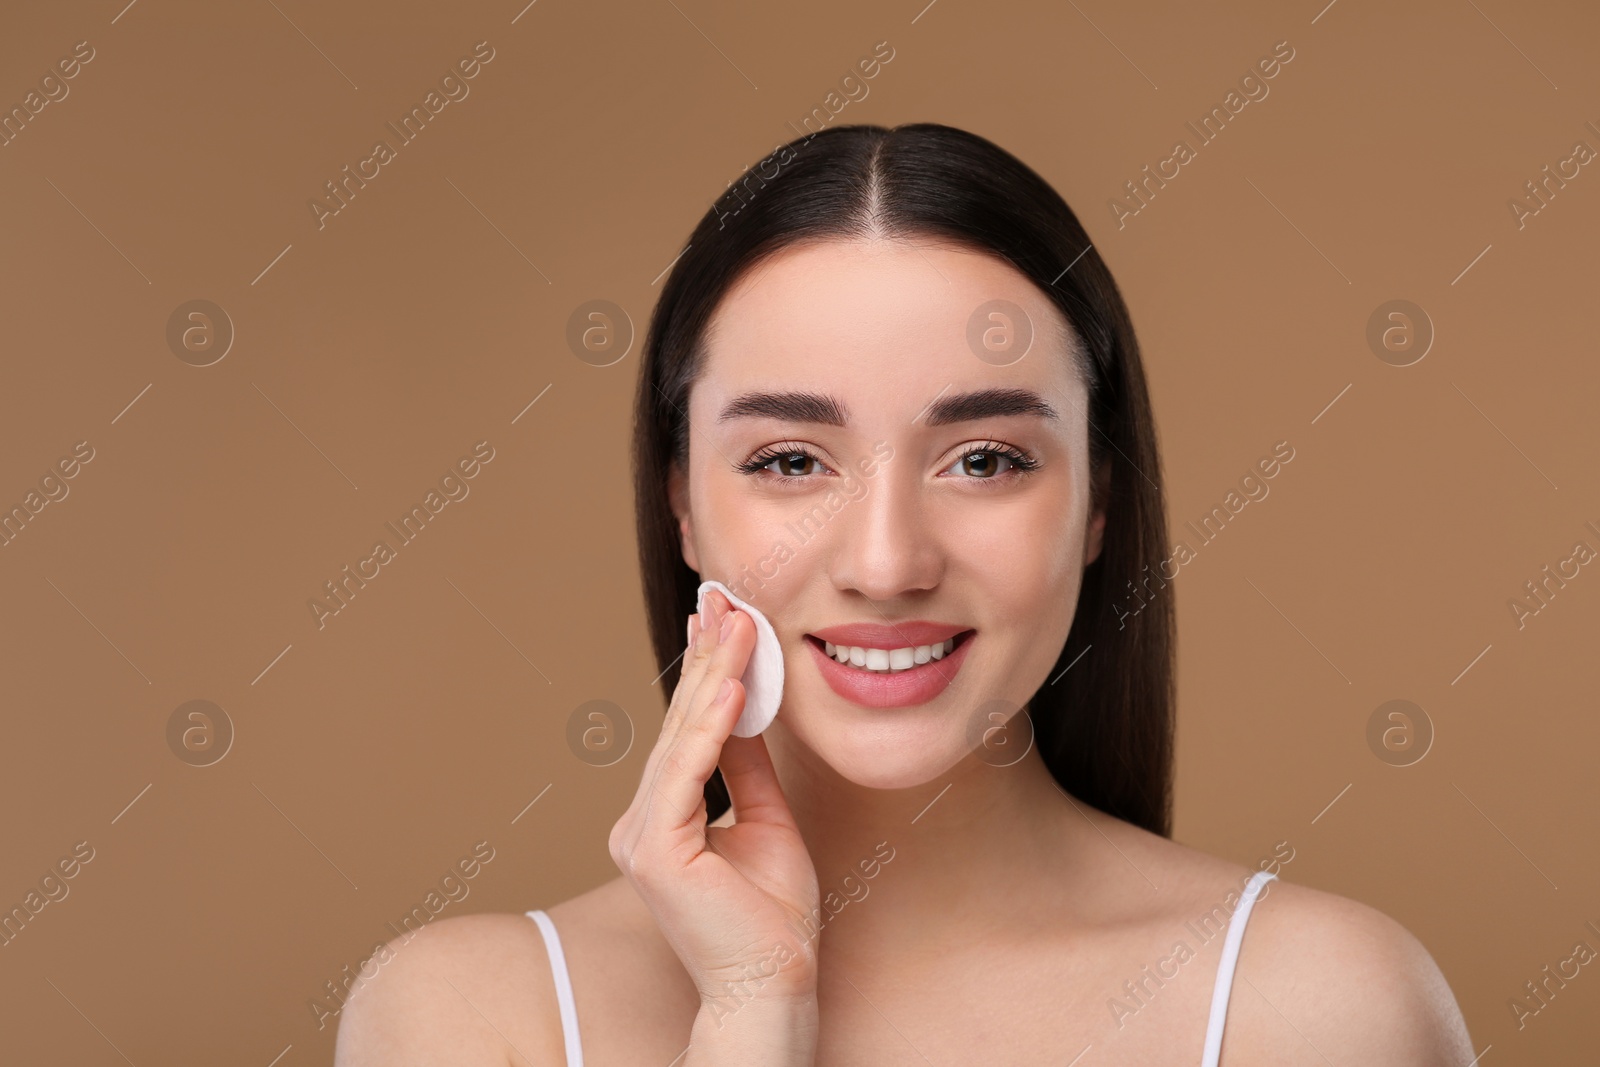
x=708, y=617
x=694, y=621
x=727, y=627
x=724, y=691
x=706, y=639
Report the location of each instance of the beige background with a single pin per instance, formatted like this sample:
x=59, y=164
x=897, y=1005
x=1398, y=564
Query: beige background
x=370, y=354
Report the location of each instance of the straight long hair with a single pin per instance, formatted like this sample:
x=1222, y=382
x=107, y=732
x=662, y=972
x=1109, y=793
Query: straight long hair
x=1104, y=727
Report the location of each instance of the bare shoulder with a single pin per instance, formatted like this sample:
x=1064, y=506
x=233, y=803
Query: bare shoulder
x=1320, y=977
x=1339, y=980
x=480, y=990
x=635, y=1003
x=474, y=990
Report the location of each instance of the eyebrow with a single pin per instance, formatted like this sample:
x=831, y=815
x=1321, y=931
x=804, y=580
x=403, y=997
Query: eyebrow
x=825, y=410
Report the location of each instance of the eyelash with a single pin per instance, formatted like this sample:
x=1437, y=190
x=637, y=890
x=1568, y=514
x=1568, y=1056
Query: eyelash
x=1022, y=464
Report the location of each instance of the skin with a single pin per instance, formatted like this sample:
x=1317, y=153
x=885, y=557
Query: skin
x=1010, y=913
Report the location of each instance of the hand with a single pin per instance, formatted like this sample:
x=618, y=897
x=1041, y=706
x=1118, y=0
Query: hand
x=733, y=901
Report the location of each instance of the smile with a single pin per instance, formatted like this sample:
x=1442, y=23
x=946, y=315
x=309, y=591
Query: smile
x=890, y=677
x=888, y=661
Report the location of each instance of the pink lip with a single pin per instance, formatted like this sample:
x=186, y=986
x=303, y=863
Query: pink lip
x=899, y=689
x=898, y=635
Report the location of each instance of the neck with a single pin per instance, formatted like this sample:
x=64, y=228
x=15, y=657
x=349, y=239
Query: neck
x=894, y=865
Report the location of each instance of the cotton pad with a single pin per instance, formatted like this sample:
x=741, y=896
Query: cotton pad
x=763, y=676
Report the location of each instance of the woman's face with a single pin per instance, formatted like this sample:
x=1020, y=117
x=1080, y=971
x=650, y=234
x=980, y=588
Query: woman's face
x=912, y=516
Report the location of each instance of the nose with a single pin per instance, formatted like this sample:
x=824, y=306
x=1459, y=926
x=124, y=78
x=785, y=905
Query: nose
x=886, y=545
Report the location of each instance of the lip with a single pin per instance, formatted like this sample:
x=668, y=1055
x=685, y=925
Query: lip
x=899, y=635
x=899, y=689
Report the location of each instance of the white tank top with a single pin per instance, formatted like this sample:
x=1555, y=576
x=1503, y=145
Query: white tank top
x=1219, y=994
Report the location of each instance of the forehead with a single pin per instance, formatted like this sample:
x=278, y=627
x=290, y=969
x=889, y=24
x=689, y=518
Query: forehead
x=888, y=319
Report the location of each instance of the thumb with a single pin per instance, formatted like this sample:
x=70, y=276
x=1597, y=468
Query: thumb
x=752, y=782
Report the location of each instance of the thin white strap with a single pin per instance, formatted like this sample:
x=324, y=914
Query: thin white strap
x=558, y=967
x=1230, y=958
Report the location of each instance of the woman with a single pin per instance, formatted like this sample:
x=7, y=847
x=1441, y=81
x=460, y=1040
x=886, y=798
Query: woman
x=892, y=399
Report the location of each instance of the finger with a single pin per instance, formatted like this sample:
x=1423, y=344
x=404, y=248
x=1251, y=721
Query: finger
x=696, y=655
x=701, y=639
x=753, y=782
x=715, y=608
x=720, y=659
x=682, y=772
x=628, y=824
x=719, y=663
x=673, y=819
x=690, y=695
x=702, y=642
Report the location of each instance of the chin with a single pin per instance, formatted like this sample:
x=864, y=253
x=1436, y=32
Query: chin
x=899, y=748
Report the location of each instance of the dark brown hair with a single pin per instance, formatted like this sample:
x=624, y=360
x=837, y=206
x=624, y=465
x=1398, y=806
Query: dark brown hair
x=1105, y=727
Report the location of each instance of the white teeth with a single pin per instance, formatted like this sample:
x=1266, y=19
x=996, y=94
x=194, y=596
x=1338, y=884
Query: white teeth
x=891, y=660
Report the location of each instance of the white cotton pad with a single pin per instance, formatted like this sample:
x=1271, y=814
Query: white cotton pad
x=763, y=676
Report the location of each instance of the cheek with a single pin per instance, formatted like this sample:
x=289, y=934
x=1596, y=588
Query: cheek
x=750, y=544
x=1027, y=563
x=1025, y=556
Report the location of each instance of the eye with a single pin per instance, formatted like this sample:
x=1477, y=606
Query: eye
x=992, y=461
x=791, y=460
x=991, y=453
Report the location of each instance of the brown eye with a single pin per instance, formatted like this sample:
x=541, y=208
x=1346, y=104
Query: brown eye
x=792, y=465
x=985, y=467
x=796, y=459
x=996, y=463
